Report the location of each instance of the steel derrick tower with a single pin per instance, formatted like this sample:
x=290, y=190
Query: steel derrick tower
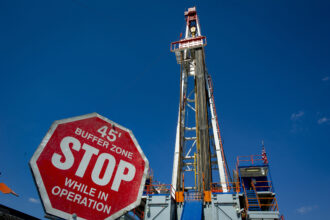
x=198, y=146
x=201, y=185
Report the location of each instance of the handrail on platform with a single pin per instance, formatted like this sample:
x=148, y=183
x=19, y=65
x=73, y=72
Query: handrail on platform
x=273, y=206
x=152, y=189
x=268, y=184
x=231, y=187
x=188, y=43
x=250, y=160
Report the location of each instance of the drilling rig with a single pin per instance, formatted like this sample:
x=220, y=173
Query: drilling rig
x=202, y=187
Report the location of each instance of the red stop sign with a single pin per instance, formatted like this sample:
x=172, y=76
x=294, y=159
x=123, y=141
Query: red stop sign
x=91, y=167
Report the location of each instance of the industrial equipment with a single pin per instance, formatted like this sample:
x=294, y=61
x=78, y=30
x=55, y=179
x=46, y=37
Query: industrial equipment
x=202, y=187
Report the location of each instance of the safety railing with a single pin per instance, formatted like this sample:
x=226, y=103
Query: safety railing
x=188, y=43
x=231, y=187
x=152, y=189
x=168, y=189
x=139, y=213
x=245, y=197
x=255, y=192
x=236, y=187
x=272, y=206
x=263, y=186
x=264, y=203
x=250, y=160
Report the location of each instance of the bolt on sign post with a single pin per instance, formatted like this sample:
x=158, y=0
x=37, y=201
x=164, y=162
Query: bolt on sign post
x=89, y=166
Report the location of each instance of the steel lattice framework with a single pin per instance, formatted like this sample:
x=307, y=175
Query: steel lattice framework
x=198, y=145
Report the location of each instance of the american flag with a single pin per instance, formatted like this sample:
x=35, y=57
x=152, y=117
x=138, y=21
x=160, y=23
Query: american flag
x=264, y=155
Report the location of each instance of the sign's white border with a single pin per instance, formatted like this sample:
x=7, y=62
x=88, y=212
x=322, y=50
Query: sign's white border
x=41, y=188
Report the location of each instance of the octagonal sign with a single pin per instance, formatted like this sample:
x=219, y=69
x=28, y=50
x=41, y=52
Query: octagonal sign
x=91, y=167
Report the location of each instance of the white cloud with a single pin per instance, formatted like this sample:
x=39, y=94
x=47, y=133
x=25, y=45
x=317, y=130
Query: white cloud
x=305, y=209
x=33, y=200
x=323, y=120
x=326, y=78
x=296, y=116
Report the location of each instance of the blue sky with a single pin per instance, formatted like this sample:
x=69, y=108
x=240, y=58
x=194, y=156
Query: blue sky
x=269, y=60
